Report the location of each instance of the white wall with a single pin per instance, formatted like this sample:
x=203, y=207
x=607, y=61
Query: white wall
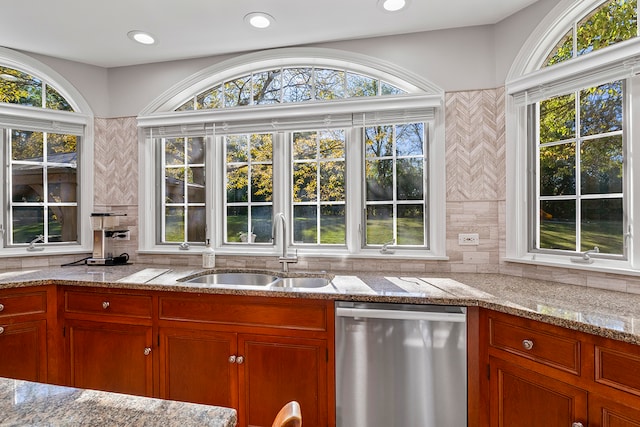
x=456, y=60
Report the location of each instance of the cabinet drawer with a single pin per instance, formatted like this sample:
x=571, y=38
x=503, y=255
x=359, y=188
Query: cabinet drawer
x=541, y=344
x=269, y=312
x=108, y=304
x=618, y=368
x=23, y=303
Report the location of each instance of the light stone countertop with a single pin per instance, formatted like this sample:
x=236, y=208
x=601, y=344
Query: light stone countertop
x=24, y=403
x=609, y=314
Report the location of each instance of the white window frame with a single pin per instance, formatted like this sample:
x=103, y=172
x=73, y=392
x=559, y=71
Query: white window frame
x=33, y=118
x=526, y=84
x=424, y=102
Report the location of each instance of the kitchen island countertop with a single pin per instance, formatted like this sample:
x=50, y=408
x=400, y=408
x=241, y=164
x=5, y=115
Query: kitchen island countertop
x=605, y=313
x=27, y=403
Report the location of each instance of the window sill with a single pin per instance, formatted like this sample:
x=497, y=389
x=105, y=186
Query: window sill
x=22, y=252
x=600, y=265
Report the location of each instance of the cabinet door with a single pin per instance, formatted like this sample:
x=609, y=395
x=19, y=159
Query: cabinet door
x=605, y=412
x=524, y=398
x=110, y=357
x=23, y=350
x=195, y=366
x=276, y=370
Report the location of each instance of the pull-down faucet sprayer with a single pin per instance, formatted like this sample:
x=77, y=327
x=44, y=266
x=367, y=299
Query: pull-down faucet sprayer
x=284, y=259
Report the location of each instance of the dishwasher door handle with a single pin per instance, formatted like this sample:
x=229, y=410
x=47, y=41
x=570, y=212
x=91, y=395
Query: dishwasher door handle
x=400, y=314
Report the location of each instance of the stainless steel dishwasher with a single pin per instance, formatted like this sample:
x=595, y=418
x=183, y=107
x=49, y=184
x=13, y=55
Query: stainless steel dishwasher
x=400, y=365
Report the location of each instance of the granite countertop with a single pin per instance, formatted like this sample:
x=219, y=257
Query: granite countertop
x=609, y=314
x=28, y=403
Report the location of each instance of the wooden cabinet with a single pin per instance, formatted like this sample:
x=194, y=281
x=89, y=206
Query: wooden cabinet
x=540, y=374
x=23, y=333
x=253, y=354
x=108, y=341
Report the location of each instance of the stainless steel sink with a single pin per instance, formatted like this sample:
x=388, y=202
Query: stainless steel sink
x=301, y=282
x=237, y=279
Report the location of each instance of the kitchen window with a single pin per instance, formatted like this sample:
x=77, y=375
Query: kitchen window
x=300, y=140
x=45, y=135
x=570, y=125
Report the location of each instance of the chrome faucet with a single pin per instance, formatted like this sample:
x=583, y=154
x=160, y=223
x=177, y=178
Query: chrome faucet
x=32, y=244
x=284, y=259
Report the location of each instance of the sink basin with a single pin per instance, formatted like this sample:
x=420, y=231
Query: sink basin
x=238, y=279
x=301, y=282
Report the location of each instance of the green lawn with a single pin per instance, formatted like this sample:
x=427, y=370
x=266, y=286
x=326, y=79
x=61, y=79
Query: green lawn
x=606, y=235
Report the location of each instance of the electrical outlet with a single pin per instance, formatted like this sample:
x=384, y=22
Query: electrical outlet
x=468, y=239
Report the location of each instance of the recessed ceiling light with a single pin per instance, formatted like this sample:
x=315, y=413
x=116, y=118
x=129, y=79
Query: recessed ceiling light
x=393, y=5
x=141, y=37
x=259, y=19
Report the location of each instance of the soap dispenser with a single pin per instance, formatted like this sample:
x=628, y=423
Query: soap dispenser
x=208, y=256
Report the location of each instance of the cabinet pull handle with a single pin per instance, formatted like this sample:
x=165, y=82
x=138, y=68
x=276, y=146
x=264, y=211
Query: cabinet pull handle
x=240, y=360
x=1, y=330
x=147, y=351
x=232, y=359
x=105, y=304
x=577, y=424
x=528, y=345
x=1, y=307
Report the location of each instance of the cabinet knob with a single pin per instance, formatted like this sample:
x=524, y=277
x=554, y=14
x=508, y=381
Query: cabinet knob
x=232, y=359
x=1, y=307
x=105, y=304
x=147, y=351
x=240, y=360
x=1, y=330
x=577, y=424
x=528, y=345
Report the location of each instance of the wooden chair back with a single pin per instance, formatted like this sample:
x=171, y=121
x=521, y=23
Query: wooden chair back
x=289, y=416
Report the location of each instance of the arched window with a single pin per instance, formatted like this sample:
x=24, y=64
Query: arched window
x=46, y=135
x=570, y=126
x=349, y=149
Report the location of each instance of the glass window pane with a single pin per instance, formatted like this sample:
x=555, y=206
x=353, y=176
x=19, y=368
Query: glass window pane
x=195, y=150
x=304, y=224
x=196, y=185
x=332, y=225
x=17, y=87
x=379, y=180
x=237, y=183
x=602, y=226
x=332, y=181
x=411, y=225
x=63, y=224
x=332, y=144
x=329, y=84
x=210, y=99
x=27, y=145
x=237, y=92
x=174, y=224
x=28, y=223
x=261, y=223
x=237, y=220
x=379, y=141
x=62, y=184
x=389, y=89
x=611, y=23
x=237, y=147
x=55, y=101
x=187, y=106
x=261, y=147
x=174, y=151
x=305, y=182
x=562, y=51
x=359, y=85
x=261, y=183
x=379, y=224
x=267, y=87
x=601, y=165
x=601, y=109
x=558, y=224
x=304, y=145
x=297, y=84
x=558, y=118
x=27, y=182
x=174, y=185
x=62, y=148
x=410, y=179
x=196, y=224
x=557, y=170
x=410, y=139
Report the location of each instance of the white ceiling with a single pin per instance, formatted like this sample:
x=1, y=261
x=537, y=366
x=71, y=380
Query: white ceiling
x=95, y=31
